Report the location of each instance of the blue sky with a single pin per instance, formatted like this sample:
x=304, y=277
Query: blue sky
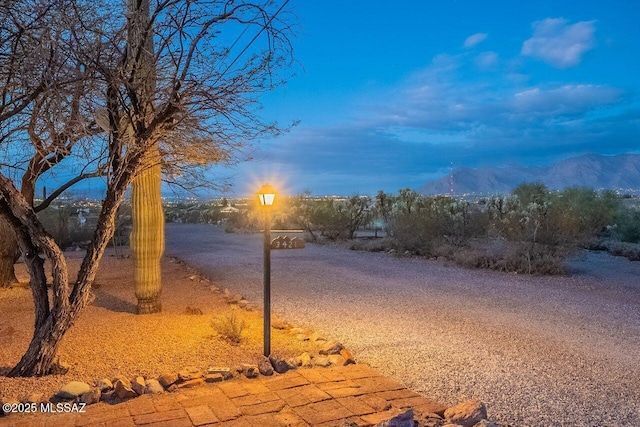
x=392, y=93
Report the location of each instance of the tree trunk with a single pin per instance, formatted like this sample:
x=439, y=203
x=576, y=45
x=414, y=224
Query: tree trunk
x=8, y=254
x=147, y=236
x=53, y=320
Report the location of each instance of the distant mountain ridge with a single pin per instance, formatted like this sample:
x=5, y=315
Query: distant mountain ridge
x=591, y=170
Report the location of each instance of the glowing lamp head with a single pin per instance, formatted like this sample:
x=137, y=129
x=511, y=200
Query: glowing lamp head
x=266, y=195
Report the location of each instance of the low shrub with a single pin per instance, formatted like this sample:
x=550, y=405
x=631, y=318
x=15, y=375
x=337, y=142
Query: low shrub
x=230, y=326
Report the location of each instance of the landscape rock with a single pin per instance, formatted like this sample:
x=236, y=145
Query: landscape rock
x=153, y=386
x=264, y=366
x=337, y=360
x=322, y=361
x=485, y=423
x=213, y=378
x=403, y=419
x=92, y=396
x=225, y=372
x=249, y=371
x=304, y=360
x=279, y=364
x=331, y=347
x=107, y=396
x=392, y=418
x=123, y=380
x=467, y=413
x=138, y=385
x=167, y=379
x=104, y=384
x=123, y=391
x=191, y=383
x=73, y=390
x=302, y=337
x=348, y=357
x=189, y=373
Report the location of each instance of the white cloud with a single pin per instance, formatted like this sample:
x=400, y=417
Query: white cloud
x=565, y=100
x=475, y=39
x=486, y=60
x=559, y=43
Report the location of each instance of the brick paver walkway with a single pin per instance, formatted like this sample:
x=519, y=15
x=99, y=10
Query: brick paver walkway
x=305, y=397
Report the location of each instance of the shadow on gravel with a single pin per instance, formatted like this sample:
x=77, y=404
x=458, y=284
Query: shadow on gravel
x=113, y=303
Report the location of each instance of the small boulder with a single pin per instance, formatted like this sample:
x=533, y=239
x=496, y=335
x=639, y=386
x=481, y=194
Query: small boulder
x=331, y=347
x=225, y=372
x=467, y=413
x=73, y=390
x=403, y=419
x=337, y=360
x=189, y=373
x=348, y=357
x=213, y=378
x=124, y=391
x=279, y=364
x=153, y=387
x=90, y=397
x=124, y=380
x=485, y=423
x=322, y=361
x=104, y=384
x=107, y=396
x=167, y=379
x=249, y=371
x=138, y=385
x=191, y=383
x=304, y=360
x=264, y=366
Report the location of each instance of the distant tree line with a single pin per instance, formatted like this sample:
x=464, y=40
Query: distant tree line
x=533, y=230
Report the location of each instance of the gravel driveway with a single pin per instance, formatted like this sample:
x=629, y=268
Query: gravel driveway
x=540, y=351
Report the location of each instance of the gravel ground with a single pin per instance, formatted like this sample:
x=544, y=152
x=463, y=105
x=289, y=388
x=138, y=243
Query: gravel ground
x=109, y=339
x=539, y=351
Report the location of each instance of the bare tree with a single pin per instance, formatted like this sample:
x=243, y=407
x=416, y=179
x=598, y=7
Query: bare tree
x=208, y=79
x=43, y=122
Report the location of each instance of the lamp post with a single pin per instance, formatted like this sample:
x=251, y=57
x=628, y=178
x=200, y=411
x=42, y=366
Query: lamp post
x=266, y=195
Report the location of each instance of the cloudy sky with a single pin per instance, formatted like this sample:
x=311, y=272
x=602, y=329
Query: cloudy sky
x=393, y=93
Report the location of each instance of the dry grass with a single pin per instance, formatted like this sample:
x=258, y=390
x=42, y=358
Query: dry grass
x=109, y=339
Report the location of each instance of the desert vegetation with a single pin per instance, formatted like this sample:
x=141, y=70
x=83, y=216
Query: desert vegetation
x=533, y=230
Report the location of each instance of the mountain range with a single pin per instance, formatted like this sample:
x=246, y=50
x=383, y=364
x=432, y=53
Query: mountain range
x=590, y=170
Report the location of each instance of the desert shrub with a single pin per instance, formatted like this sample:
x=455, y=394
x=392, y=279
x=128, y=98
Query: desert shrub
x=631, y=251
x=229, y=326
x=511, y=257
x=628, y=225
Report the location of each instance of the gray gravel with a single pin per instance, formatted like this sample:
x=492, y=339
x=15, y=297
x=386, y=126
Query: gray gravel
x=539, y=351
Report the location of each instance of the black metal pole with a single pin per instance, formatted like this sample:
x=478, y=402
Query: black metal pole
x=267, y=282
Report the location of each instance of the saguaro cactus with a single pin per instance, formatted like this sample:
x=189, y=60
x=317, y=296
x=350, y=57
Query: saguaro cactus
x=147, y=236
